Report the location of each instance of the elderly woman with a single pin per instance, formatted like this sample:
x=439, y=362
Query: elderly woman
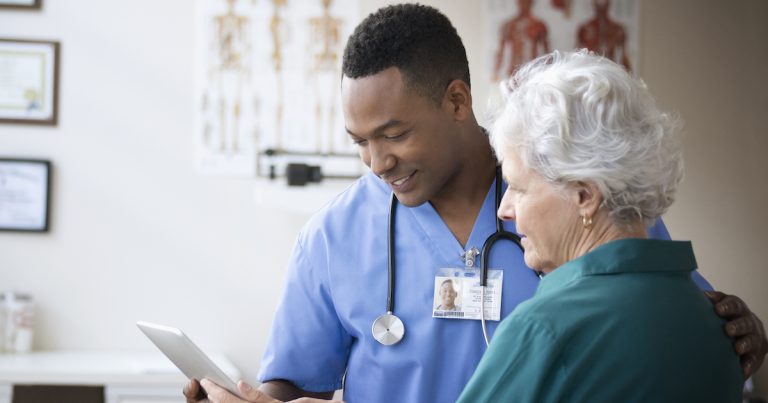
x=590, y=162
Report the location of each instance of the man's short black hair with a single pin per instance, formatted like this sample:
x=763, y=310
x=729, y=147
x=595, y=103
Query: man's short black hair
x=418, y=40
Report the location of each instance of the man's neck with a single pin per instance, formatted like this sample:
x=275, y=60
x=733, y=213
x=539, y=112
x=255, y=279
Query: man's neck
x=460, y=203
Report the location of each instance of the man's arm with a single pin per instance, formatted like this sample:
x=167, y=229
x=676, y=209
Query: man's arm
x=312, y=351
x=285, y=391
x=269, y=392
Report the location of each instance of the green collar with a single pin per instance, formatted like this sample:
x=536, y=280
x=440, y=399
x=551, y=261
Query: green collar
x=631, y=255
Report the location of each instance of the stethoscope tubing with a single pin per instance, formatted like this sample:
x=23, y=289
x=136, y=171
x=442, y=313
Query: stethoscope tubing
x=500, y=233
x=391, y=255
x=388, y=329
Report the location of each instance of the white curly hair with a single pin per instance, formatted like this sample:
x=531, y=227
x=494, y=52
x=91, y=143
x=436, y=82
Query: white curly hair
x=576, y=116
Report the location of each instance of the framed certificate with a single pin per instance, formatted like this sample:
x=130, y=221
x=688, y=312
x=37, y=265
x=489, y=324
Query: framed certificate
x=29, y=81
x=25, y=188
x=21, y=4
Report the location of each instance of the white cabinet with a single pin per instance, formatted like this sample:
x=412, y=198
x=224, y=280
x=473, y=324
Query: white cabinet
x=127, y=376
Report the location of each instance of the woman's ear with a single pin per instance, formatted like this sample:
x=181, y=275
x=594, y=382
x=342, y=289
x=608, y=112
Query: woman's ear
x=587, y=198
x=458, y=99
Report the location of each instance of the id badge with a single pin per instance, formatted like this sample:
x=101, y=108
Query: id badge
x=458, y=292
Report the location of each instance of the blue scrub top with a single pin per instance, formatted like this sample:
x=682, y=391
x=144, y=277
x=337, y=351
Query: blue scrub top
x=337, y=287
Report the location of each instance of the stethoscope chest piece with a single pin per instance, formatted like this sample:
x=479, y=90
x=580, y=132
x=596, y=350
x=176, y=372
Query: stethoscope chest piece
x=388, y=329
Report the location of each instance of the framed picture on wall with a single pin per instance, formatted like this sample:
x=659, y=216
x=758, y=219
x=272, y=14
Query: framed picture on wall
x=29, y=80
x=21, y=4
x=25, y=194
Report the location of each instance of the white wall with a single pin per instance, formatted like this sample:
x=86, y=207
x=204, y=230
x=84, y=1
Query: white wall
x=137, y=233
x=706, y=60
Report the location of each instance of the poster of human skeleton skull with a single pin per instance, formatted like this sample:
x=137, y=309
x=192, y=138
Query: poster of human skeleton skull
x=268, y=86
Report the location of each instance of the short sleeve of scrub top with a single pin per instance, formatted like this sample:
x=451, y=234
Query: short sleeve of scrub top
x=306, y=308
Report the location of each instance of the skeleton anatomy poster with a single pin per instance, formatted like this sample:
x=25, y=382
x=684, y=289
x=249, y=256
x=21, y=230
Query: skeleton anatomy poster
x=268, y=86
x=521, y=30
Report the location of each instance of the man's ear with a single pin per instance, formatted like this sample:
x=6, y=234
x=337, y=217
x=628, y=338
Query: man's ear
x=587, y=198
x=458, y=99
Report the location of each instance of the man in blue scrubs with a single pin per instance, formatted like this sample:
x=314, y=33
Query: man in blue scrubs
x=407, y=104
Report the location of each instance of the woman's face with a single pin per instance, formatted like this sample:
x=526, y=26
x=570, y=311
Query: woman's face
x=545, y=219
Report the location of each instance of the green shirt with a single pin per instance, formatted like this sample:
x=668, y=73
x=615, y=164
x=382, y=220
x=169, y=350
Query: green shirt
x=623, y=323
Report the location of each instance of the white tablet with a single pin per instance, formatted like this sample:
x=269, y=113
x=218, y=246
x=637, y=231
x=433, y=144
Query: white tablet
x=186, y=355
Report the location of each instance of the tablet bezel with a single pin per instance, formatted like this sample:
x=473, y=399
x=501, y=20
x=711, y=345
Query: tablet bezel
x=185, y=354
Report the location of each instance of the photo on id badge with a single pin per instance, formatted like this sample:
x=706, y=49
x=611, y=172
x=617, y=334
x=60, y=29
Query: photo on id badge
x=448, y=297
x=458, y=294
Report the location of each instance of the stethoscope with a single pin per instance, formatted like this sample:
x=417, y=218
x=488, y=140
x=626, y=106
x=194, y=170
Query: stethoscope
x=388, y=329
